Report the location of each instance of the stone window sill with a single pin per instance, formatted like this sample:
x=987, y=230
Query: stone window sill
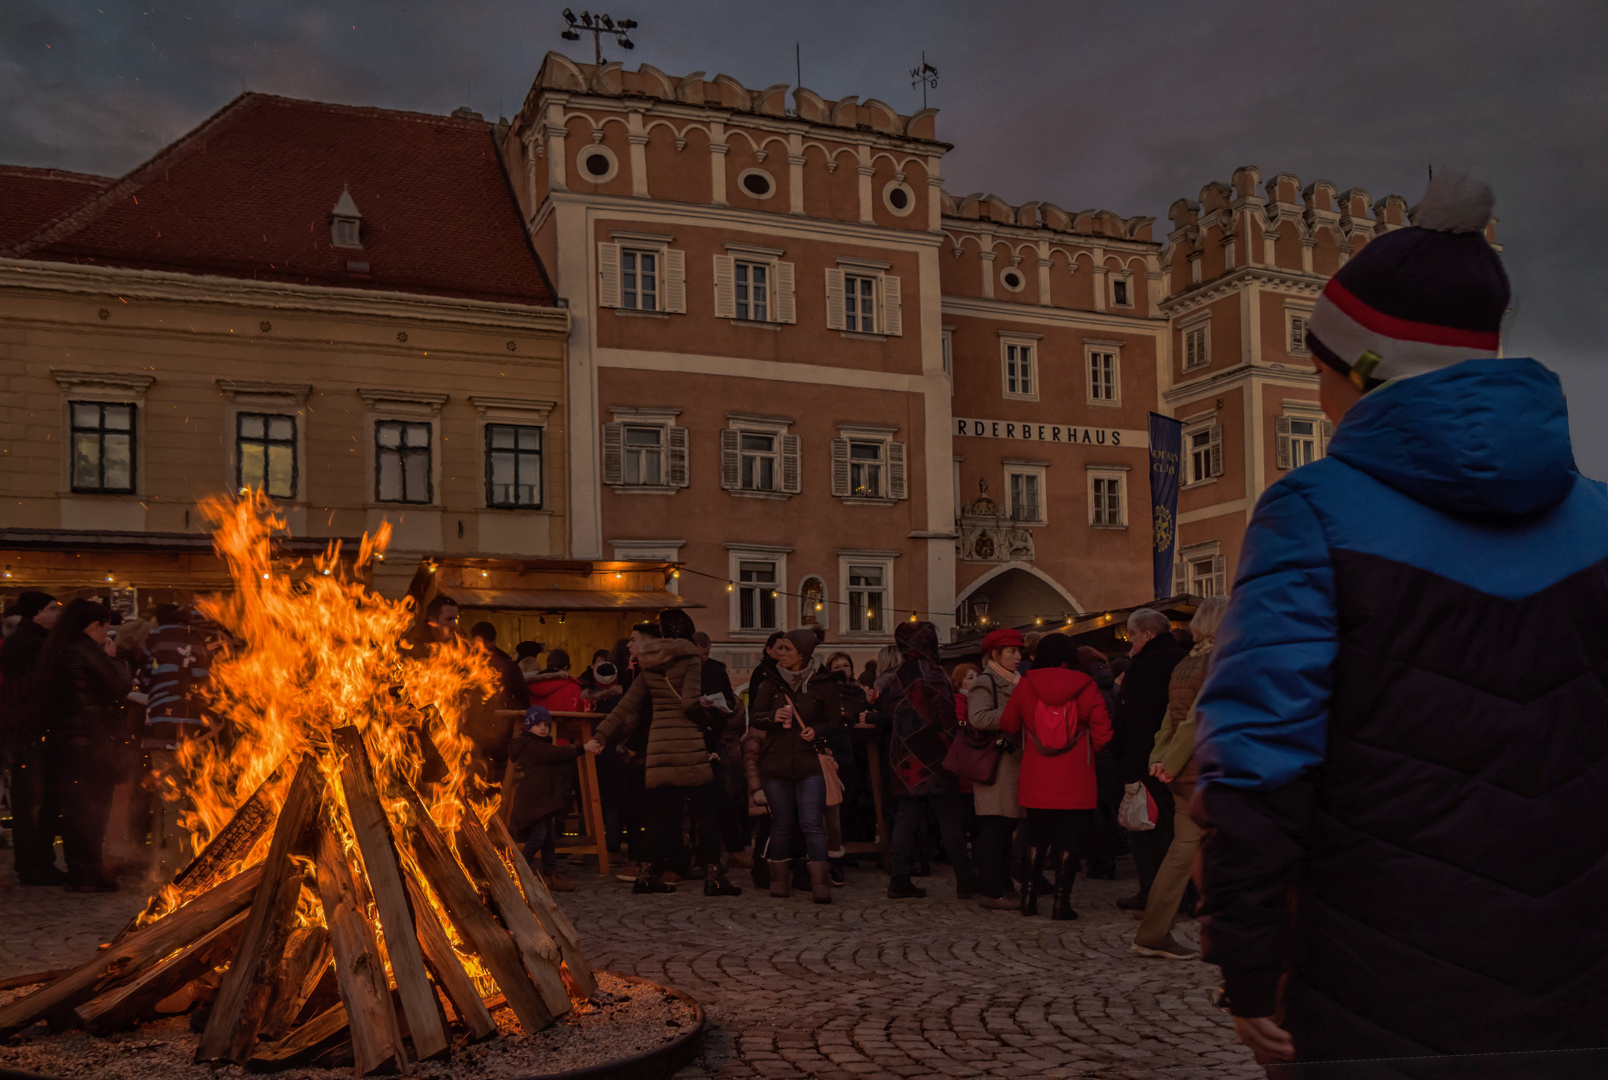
x=761, y=495
x=638, y=313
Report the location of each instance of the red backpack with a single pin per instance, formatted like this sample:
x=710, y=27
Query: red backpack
x=1054, y=729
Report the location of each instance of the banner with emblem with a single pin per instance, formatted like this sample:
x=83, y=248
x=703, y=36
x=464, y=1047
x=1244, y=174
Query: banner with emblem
x=1166, y=450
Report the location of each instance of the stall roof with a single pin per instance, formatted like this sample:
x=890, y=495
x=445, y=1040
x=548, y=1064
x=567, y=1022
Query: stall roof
x=87, y=540
x=1097, y=628
x=569, y=600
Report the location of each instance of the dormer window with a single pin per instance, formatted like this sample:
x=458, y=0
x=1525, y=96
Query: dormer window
x=345, y=223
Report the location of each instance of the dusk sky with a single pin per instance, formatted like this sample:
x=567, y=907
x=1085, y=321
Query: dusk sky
x=1120, y=106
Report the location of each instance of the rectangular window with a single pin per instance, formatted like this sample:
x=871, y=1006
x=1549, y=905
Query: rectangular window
x=1195, y=348
x=758, y=461
x=1202, y=580
x=1298, y=325
x=868, y=598
x=1103, y=376
x=753, y=291
x=1025, y=497
x=103, y=447
x=402, y=462
x=1019, y=373
x=860, y=303
x=1119, y=292
x=757, y=595
x=865, y=469
x=514, y=466
x=1303, y=442
x=1198, y=445
x=644, y=455
x=639, y=279
x=1107, y=508
x=265, y=453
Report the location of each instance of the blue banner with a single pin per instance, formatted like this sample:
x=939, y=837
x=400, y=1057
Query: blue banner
x=1166, y=450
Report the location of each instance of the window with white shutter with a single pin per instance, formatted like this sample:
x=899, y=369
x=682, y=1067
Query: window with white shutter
x=613, y=453
x=731, y=459
x=835, y=303
x=725, y=287
x=608, y=275
x=786, y=301
x=892, y=306
x=897, y=485
x=675, y=281
x=1216, y=431
x=860, y=303
x=792, y=466
x=759, y=457
x=1203, y=570
x=1300, y=438
x=1203, y=451
x=1298, y=328
x=840, y=469
x=1180, y=578
x=1196, y=350
x=680, y=444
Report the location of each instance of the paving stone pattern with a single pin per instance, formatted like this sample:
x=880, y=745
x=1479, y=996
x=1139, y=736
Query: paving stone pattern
x=865, y=987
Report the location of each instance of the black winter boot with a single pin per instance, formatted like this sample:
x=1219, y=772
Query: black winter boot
x=649, y=882
x=1066, y=870
x=1030, y=880
x=716, y=883
x=900, y=888
x=967, y=887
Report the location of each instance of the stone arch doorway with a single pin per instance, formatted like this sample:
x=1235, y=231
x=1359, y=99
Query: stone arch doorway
x=1016, y=595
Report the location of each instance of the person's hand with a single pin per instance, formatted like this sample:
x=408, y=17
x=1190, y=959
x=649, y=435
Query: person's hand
x=865, y=717
x=759, y=799
x=594, y=747
x=1160, y=773
x=784, y=716
x=871, y=695
x=806, y=733
x=1268, y=1043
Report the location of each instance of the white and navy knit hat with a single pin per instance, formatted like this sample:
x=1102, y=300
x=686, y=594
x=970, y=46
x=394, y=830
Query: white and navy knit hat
x=1420, y=298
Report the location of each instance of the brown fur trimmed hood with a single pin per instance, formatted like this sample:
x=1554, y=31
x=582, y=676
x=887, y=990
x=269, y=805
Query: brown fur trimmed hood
x=660, y=653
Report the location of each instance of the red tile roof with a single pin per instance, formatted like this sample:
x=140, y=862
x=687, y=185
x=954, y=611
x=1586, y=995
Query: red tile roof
x=249, y=194
x=32, y=198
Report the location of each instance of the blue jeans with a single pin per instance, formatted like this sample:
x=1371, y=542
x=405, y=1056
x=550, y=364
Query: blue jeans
x=540, y=843
x=799, y=804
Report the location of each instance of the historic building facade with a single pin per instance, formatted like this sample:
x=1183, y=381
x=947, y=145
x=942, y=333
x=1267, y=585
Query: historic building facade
x=335, y=305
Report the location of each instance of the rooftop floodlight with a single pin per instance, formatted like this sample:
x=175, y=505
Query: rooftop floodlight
x=599, y=25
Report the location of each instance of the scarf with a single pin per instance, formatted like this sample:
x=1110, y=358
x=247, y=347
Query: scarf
x=796, y=680
x=1010, y=678
x=1201, y=647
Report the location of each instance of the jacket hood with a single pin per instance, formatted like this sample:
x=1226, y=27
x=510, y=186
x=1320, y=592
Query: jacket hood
x=660, y=653
x=1483, y=438
x=1057, y=686
x=917, y=639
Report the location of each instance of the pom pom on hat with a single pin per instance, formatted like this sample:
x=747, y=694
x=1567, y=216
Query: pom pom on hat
x=1456, y=203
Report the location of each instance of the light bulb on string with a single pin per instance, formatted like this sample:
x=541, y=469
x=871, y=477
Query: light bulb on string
x=729, y=586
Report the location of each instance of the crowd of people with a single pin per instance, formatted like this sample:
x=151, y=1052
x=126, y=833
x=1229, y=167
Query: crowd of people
x=695, y=779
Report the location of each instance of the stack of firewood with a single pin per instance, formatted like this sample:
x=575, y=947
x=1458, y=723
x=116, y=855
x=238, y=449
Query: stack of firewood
x=271, y=988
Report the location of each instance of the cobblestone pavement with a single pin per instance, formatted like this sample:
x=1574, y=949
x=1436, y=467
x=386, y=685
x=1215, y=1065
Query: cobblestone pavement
x=865, y=987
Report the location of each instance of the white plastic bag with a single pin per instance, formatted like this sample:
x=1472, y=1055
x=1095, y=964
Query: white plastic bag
x=1138, y=810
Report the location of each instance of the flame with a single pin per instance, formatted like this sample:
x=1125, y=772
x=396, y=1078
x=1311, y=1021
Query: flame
x=314, y=650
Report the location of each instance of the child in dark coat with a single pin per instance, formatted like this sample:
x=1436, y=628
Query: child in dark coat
x=544, y=788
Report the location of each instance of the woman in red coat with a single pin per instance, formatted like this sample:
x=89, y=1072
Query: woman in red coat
x=1063, y=718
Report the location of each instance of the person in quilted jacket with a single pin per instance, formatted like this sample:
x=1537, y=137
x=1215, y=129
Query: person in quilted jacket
x=921, y=727
x=1403, y=739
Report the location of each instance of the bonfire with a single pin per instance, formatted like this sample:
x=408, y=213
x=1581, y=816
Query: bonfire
x=346, y=903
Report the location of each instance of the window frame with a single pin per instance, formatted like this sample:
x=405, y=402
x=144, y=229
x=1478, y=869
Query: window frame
x=1203, y=327
x=742, y=265
x=737, y=554
x=1123, y=278
x=1293, y=345
x=408, y=407
x=627, y=451
x=403, y=452
x=540, y=453
x=636, y=251
x=1203, y=424
x=1095, y=475
x=854, y=627
x=101, y=431
x=294, y=443
x=664, y=420
x=880, y=464
x=948, y=356
x=1092, y=349
x=851, y=319
x=744, y=455
x=1009, y=341
x=1038, y=471
x=1189, y=559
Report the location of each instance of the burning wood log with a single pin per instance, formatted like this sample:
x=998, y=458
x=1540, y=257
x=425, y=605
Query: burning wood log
x=243, y=998
x=536, y=949
x=125, y=1004
x=376, y=1037
x=319, y=1035
x=372, y=830
x=142, y=947
x=309, y=954
x=449, y=974
x=552, y=917
x=233, y=843
x=474, y=923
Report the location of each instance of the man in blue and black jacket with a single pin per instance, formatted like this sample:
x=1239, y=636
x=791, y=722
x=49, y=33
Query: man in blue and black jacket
x=1404, y=737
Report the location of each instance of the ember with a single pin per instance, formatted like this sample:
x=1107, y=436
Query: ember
x=346, y=905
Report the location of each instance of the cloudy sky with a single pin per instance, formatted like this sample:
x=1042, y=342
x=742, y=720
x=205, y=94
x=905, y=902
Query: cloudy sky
x=1122, y=104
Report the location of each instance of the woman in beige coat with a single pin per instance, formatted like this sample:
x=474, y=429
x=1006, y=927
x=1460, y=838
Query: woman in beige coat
x=1172, y=761
x=996, y=806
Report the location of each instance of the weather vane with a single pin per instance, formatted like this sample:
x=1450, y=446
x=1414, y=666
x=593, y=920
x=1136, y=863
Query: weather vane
x=924, y=76
x=599, y=25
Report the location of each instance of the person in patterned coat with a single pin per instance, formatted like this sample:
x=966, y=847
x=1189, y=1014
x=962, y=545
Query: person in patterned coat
x=922, y=725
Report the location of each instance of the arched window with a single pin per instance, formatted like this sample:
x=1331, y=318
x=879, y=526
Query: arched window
x=812, y=606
